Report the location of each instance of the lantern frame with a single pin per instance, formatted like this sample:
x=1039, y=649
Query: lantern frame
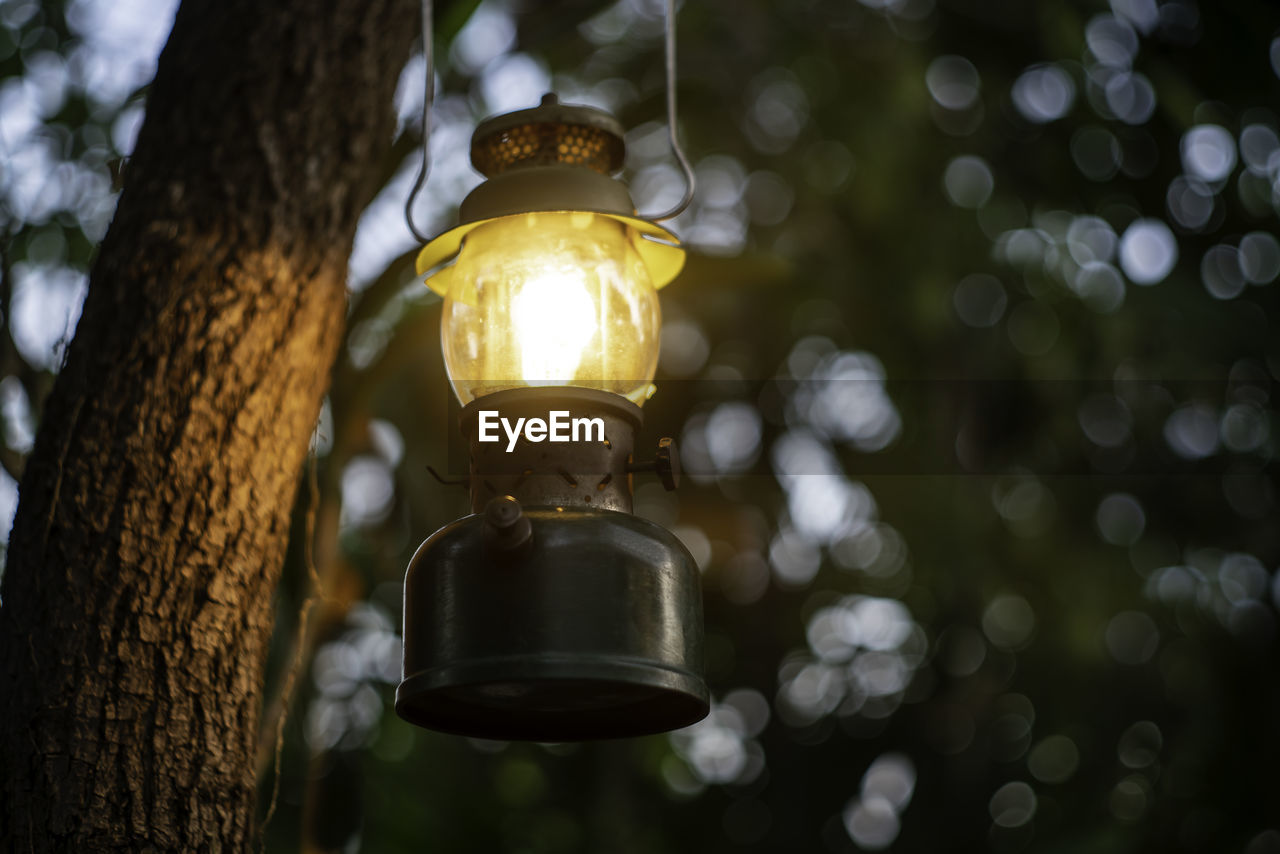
x=551, y=613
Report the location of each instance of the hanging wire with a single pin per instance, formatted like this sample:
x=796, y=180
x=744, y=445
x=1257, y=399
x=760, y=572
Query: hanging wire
x=429, y=98
x=671, y=119
x=429, y=94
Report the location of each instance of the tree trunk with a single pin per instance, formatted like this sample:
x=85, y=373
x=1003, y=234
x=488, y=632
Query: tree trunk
x=137, y=600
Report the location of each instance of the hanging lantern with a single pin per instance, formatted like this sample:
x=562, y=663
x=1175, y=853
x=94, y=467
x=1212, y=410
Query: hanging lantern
x=552, y=613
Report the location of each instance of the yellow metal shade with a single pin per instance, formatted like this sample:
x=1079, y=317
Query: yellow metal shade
x=659, y=250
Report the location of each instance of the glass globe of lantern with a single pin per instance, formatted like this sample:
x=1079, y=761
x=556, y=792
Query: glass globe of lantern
x=551, y=278
x=551, y=299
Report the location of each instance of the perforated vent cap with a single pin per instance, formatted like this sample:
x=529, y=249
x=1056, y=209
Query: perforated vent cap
x=549, y=133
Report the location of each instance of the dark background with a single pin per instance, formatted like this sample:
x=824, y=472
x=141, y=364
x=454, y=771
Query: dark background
x=972, y=368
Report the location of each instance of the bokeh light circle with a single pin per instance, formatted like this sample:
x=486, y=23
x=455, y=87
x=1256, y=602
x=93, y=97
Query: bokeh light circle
x=953, y=82
x=1190, y=202
x=1259, y=257
x=968, y=181
x=1221, y=272
x=1044, y=93
x=1013, y=804
x=1054, y=759
x=1208, y=152
x=979, y=300
x=1121, y=519
x=1148, y=251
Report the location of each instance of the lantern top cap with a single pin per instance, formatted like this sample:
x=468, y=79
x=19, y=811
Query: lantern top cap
x=550, y=133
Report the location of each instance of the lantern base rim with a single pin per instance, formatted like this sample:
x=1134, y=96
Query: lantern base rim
x=552, y=700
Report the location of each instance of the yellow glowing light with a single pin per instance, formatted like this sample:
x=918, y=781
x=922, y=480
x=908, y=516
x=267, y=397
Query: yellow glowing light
x=558, y=299
x=554, y=319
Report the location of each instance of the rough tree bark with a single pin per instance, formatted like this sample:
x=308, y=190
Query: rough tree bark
x=137, y=601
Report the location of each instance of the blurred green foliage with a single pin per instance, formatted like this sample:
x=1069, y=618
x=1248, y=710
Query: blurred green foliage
x=973, y=367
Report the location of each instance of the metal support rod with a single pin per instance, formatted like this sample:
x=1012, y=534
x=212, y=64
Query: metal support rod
x=428, y=98
x=672, y=135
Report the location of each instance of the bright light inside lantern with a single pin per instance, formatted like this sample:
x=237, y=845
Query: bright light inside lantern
x=554, y=319
x=551, y=299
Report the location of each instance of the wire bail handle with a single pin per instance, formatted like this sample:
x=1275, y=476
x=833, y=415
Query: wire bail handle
x=428, y=99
